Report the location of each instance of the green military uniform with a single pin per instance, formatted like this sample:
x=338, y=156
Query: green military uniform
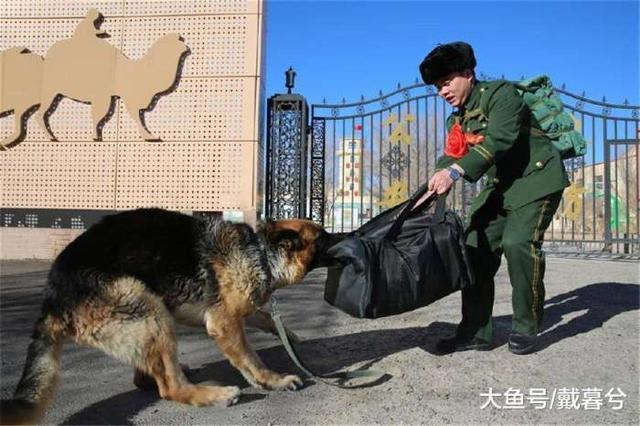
x=526, y=178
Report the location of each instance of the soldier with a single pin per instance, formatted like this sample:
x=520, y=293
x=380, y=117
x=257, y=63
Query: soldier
x=492, y=132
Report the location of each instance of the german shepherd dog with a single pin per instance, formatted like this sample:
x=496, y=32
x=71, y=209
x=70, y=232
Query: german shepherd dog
x=123, y=284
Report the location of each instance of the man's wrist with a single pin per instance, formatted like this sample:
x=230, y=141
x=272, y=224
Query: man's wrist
x=458, y=168
x=455, y=172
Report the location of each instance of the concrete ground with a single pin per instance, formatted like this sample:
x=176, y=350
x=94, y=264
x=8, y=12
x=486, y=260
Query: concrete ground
x=589, y=352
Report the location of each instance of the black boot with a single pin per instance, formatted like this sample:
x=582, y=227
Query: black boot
x=460, y=343
x=522, y=344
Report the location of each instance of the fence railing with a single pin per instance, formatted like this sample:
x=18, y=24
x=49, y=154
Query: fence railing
x=368, y=155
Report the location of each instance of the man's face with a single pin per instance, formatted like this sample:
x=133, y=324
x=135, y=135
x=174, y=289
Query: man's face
x=455, y=87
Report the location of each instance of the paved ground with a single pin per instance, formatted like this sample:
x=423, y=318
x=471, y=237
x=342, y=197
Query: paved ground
x=590, y=340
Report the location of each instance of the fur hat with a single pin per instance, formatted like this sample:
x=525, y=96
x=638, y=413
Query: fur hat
x=445, y=59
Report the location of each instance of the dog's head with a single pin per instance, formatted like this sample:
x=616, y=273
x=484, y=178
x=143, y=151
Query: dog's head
x=301, y=243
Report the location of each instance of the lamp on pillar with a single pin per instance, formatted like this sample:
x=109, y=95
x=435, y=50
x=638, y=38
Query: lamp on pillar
x=286, y=165
x=291, y=79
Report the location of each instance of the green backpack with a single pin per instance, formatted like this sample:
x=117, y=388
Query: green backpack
x=555, y=123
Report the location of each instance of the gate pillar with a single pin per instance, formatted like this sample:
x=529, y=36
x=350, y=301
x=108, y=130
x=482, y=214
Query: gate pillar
x=286, y=165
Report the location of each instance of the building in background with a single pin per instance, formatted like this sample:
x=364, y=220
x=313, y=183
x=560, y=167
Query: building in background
x=352, y=203
x=209, y=157
x=588, y=220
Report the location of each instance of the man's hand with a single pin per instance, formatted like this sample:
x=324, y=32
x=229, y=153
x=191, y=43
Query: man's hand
x=440, y=183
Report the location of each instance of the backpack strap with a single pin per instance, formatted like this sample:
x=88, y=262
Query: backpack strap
x=478, y=112
x=484, y=106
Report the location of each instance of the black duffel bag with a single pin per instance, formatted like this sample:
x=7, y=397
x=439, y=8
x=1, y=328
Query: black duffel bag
x=400, y=260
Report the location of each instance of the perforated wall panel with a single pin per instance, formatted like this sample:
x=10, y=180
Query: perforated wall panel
x=74, y=175
x=195, y=7
x=38, y=35
x=185, y=176
x=208, y=157
x=58, y=8
x=199, y=109
x=221, y=45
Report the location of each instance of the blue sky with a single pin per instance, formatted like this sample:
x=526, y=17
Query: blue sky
x=347, y=49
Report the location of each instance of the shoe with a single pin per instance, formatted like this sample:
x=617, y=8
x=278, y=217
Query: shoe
x=522, y=344
x=459, y=344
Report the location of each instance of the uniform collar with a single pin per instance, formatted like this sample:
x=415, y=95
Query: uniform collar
x=473, y=101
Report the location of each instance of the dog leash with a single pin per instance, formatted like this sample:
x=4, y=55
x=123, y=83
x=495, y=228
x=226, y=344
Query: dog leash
x=343, y=376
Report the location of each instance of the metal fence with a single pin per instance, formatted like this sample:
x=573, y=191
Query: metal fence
x=599, y=212
x=363, y=157
x=376, y=152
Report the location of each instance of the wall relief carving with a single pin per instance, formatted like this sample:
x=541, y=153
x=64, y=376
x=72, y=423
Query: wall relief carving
x=88, y=69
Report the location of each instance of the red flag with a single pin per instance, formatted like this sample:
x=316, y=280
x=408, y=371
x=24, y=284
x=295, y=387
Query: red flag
x=358, y=126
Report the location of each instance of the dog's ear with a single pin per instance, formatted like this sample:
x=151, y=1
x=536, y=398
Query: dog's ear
x=286, y=244
x=286, y=239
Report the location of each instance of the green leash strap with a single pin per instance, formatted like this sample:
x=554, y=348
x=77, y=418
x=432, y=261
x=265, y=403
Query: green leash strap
x=344, y=376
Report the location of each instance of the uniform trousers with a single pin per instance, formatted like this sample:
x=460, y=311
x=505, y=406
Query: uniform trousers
x=494, y=230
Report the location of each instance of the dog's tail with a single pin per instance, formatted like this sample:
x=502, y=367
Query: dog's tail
x=35, y=389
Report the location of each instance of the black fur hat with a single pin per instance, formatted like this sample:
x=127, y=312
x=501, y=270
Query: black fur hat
x=445, y=59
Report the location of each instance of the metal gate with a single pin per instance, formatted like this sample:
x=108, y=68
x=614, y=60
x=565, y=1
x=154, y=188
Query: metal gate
x=376, y=152
x=599, y=211
x=362, y=157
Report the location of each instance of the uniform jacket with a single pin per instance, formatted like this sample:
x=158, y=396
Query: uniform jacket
x=521, y=163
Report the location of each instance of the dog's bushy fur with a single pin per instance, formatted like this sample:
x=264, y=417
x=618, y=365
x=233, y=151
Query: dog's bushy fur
x=122, y=285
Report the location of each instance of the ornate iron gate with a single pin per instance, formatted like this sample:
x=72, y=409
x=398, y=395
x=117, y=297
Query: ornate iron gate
x=600, y=211
x=286, y=162
x=377, y=151
x=365, y=156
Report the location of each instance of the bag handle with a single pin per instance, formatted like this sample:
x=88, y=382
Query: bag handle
x=440, y=208
x=406, y=211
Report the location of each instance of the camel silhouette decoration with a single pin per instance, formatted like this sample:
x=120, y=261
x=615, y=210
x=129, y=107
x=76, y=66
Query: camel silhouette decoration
x=20, y=83
x=88, y=69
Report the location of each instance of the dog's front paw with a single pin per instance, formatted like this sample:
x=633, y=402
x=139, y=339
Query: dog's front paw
x=289, y=382
x=203, y=395
x=233, y=397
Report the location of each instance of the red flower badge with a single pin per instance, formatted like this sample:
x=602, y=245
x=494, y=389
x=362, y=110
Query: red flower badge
x=456, y=146
x=457, y=142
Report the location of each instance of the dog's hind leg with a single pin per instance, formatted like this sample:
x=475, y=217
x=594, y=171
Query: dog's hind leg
x=133, y=324
x=227, y=329
x=40, y=375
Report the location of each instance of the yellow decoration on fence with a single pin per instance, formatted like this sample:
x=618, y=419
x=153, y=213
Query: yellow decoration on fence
x=577, y=123
x=394, y=194
x=399, y=131
x=573, y=202
x=399, y=135
x=391, y=119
